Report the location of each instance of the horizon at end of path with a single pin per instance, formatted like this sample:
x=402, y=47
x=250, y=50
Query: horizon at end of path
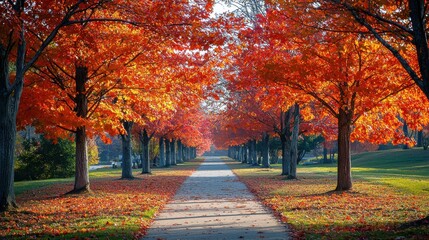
x=213, y=204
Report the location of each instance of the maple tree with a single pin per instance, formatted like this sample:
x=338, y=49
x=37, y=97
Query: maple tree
x=346, y=75
x=27, y=29
x=351, y=79
x=395, y=25
x=79, y=17
x=260, y=105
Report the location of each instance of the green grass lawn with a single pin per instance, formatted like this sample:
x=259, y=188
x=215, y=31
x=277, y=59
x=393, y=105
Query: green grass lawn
x=23, y=186
x=101, y=173
x=390, y=188
x=407, y=170
x=115, y=209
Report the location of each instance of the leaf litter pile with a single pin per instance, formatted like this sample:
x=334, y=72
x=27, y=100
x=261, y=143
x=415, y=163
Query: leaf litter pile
x=313, y=211
x=116, y=209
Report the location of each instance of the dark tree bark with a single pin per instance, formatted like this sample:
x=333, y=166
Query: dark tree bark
x=249, y=152
x=344, y=178
x=420, y=138
x=144, y=140
x=161, y=152
x=167, y=153
x=285, y=134
x=179, y=151
x=184, y=152
x=229, y=151
x=81, y=183
x=7, y=150
x=194, y=152
x=406, y=133
x=10, y=95
x=127, y=166
x=265, y=151
x=418, y=21
x=325, y=155
x=254, y=154
x=244, y=158
x=173, y=152
x=251, y=149
x=294, y=144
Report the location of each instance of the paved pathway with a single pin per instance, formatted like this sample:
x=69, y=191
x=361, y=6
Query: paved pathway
x=213, y=204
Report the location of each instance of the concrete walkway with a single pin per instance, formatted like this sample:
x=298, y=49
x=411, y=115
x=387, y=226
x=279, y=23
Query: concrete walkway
x=213, y=204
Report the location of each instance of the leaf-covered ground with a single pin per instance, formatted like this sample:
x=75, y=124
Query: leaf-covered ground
x=117, y=209
x=375, y=209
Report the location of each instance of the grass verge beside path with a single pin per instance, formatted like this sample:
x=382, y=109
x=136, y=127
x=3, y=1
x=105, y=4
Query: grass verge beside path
x=376, y=208
x=117, y=209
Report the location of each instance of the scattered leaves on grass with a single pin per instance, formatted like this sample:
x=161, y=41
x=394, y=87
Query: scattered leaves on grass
x=371, y=210
x=115, y=209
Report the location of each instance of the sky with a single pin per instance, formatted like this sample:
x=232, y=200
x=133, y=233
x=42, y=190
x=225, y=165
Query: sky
x=221, y=8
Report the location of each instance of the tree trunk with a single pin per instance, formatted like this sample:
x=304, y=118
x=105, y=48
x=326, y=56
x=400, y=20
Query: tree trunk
x=184, y=153
x=8, y=112
x=406, y=133
x=179, y=151
x=194, y=152
x=265, y=151
x=7, y=150
x=420, y=138
x=81, y=183
x=420, y=40
x=285, y=155
x=285, y=119
x=294, y=144
x=167, y=153
x=325, y=155
x=144, y=140
x=244, y=158
x=251, y=149
x=249, y=152
x=10, y=96
x=127, y=167
x=161, y=152
x=344, y=178
x=173, y=152
x=254, y=153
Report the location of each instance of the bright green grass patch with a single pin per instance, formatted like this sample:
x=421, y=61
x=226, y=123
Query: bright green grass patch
x=408, y=185
x=406, y=170
x=23, y=186
x=390, y=188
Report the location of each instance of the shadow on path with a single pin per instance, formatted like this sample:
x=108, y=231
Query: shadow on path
x=213, y=204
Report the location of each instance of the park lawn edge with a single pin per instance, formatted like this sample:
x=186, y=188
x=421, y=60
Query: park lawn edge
x=346, y=228
x=114, y=220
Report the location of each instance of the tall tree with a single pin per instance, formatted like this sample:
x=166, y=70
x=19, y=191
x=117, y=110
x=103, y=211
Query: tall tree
x=365, y=76
x=27, y=29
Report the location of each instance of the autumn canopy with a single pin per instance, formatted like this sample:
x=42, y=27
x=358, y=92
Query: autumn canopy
x=177, y=74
